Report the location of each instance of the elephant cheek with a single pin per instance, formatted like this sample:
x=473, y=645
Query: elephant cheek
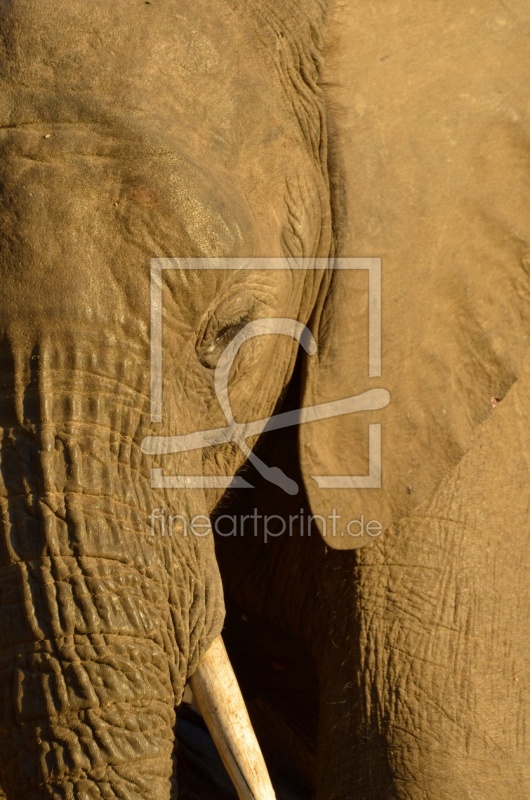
x=102, y=616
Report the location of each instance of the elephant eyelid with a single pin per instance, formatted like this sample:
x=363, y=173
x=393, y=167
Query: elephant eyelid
x=220, y=340
x=230, y=330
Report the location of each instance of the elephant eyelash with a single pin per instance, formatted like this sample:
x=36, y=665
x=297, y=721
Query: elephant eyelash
x=220, y=340
x=228, y=331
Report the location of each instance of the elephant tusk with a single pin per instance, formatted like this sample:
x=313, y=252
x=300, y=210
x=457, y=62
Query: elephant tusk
x=218, y=696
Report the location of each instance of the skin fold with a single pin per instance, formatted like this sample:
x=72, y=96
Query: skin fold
x=131, y=131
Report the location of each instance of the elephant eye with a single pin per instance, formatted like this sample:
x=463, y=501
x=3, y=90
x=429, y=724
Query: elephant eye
x=221, y=327
x=228, y=332
x=209, y=353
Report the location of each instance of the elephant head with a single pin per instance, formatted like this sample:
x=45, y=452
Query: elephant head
x=133, y=131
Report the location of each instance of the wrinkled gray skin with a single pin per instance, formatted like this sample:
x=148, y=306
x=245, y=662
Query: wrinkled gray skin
x=129, y=131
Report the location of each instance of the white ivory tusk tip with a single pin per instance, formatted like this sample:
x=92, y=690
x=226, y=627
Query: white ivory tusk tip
x=218, y=696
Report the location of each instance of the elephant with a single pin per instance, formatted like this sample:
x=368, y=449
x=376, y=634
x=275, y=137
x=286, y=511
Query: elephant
x=159, y=133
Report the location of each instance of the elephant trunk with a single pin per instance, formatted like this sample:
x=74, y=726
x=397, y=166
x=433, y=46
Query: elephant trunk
x=101, y=620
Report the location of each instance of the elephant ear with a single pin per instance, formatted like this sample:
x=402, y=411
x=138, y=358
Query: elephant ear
x=343, y=401
x=432, y=183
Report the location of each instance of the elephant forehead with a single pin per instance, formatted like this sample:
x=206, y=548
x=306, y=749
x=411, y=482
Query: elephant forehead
x=173, y=78
x=109, y=46
x=78, y=61
x=110, y=65
x=82, y=214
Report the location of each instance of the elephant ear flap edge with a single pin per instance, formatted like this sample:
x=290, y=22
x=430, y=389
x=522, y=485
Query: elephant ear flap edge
x=336, y=449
